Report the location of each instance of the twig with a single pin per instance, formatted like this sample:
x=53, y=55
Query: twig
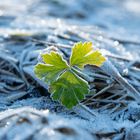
x=100, y=92
x=110, y=68
x=52, y=44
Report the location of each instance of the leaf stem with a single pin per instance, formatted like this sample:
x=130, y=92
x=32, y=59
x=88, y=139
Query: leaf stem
x=84, y=111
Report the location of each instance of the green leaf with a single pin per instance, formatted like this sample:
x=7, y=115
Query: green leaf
x=83, y=54
x=65, y=84
x=52, y=68
x=69, y=89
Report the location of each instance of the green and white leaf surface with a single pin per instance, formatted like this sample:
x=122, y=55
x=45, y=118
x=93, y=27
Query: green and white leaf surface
x=66, y=86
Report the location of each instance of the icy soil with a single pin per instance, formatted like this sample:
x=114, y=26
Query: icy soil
x=33, y=115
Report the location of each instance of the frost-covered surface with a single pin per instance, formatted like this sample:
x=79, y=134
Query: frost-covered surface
x=28, y=27
x=28, y=123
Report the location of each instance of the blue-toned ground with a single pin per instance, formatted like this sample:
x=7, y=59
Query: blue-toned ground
x=113, y=26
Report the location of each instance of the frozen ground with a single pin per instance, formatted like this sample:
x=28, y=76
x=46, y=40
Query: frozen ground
x=29, y=26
